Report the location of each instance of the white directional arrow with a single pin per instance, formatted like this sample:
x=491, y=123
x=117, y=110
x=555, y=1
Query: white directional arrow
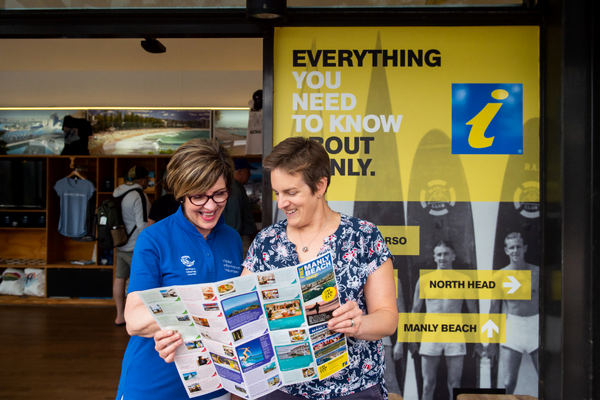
x=490, y=327
x=513, y=284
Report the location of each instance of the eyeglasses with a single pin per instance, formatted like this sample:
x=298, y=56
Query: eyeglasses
x=201, y=199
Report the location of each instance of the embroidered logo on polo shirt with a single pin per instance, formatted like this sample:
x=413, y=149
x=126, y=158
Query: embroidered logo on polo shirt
x=189, y=264
x=231, y=267
x=185, y=260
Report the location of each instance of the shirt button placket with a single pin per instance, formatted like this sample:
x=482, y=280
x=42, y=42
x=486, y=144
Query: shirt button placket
x=211, y=266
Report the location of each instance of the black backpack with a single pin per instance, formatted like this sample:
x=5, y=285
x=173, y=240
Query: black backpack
x=111, y=228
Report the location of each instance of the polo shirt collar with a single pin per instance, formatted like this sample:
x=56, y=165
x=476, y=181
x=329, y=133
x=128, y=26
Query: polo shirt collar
x=190, y=229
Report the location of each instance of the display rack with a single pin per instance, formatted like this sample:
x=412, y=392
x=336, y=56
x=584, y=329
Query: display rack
x=45, y=248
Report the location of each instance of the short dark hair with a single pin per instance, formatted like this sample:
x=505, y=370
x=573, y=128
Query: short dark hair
x=445, y=243
x=513, y=235
x=197, y=165
x=137, y=172
x=298, y=155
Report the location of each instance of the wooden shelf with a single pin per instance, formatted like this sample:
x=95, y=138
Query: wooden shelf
x=23, y=243
x=45, y=244
x=21, y=228
x=21, y=210
x=32, y=300
x=67, y=265
x=249, y=157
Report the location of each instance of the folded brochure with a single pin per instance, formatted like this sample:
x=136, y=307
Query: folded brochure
x=253, y=334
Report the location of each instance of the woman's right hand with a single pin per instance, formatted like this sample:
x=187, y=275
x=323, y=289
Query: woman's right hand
x=166, y=343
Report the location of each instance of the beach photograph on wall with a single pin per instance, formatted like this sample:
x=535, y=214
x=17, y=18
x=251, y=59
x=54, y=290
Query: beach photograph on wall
x=32, y=131
x=230, y=128
x=145, y=131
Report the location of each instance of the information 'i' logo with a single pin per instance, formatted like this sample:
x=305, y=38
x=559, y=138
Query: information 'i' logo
x=487, y=118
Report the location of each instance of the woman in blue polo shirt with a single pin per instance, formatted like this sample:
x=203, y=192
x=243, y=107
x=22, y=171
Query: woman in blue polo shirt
x=191, y=246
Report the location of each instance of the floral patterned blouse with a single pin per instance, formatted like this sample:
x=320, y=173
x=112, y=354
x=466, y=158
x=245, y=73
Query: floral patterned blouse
x=358, y=249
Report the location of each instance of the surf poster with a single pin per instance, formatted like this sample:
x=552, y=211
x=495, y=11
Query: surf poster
x=433, y=135
x=150, y=131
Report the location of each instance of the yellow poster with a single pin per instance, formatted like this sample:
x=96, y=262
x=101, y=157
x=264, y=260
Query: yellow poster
x=433, y=135
x=372, y=94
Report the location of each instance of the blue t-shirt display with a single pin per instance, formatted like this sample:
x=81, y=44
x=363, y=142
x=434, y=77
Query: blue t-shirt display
x=173, y=252
x=358, y=250
x=74, y=195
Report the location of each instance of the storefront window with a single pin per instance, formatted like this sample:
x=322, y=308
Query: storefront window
x=116, y=4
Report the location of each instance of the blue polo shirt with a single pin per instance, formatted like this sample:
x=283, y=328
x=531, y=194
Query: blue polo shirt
x=173, y=252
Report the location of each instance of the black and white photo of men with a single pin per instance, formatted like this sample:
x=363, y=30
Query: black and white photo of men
x=522, y=317
x=431, y=353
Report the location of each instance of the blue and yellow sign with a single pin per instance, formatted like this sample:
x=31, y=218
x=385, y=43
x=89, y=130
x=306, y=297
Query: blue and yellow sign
x=487, y=118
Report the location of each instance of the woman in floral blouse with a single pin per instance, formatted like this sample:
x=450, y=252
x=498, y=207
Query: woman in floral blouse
x=300, y=175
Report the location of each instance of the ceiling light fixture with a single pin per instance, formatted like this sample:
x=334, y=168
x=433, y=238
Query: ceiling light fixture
x=266, y=9
x=153, y=46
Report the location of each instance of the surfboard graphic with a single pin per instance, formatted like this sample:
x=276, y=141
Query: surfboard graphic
x=522, y=185
x=439, y=203
x=391, y=211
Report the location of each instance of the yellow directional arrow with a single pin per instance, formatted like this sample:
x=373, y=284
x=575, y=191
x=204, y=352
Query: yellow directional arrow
x=452, y=328
x=475, y=284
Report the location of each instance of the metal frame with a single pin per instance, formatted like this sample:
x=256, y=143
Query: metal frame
x=187, y=23
x=595, y=211
x=127, y=24
x=569, y=358
x=268, y=51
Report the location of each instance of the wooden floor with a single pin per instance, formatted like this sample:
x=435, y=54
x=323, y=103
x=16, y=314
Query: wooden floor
x=60, y=352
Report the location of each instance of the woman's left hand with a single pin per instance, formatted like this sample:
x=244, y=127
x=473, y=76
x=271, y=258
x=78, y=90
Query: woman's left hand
x=346, y=319
x=380, y=318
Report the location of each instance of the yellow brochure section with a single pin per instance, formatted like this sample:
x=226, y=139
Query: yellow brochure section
x=475, y=284
x=451, y=328
x=401, y=240
x=333, y=366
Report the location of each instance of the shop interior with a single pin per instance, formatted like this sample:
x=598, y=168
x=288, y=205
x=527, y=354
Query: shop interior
x=83, y=74
x=206, y=75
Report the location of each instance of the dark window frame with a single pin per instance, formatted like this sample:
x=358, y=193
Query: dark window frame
x=559, y=22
